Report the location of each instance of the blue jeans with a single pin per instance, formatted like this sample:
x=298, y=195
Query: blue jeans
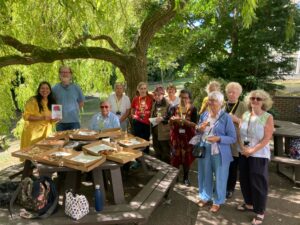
x=67, y=126
x=209, y=167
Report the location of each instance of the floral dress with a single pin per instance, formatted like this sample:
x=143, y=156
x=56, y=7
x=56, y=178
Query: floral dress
x=180, y=135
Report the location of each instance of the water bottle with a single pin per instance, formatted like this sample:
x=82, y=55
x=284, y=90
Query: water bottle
x=98, y=199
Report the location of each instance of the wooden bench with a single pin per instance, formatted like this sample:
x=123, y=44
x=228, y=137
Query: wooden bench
x=137, y=211
x=285, y=131
x=293, y=164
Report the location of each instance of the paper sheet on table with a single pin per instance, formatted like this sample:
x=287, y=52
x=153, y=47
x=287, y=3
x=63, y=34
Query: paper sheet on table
x=196, y=139
x=153, y=121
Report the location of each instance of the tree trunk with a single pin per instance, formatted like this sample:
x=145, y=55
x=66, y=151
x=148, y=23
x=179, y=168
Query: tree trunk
x=134, y=72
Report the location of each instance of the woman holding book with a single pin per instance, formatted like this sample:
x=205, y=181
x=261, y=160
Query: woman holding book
x=37, y=116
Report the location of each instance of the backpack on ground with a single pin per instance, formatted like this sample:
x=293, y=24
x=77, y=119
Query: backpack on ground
x=37, y=196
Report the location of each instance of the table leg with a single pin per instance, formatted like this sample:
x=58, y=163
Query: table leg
x=117, y=185
x=278, y=145
x=28, y=169
x=98, y=179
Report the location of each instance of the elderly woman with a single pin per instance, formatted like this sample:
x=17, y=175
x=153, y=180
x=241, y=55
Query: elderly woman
x=218, y=132
x=235, y=108
x=182, y=125
x=256, y=131
x=210, y=87
x=161, y=130
x=120, y=105
x=37, y=115
x=172, y=98
x=140, y=111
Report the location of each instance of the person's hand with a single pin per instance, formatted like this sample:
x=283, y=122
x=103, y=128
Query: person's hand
x=235, y=119
x=213, y=139
x=246, y=151
x=202, y=127
x=54, y=120
x=158, y=119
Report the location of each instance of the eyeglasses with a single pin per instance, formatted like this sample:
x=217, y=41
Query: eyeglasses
x=256, y=98
x=65, y=72
x=104, y=106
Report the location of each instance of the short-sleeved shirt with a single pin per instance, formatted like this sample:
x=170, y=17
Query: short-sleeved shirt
x=142, y=108
x=99, y=122
x=173, y=103
x=69, y=97
x=121, y=105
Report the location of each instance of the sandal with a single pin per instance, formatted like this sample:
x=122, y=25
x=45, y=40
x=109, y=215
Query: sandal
x=257, y=220
x=244, y=208
x=215, y=208
x=202, y=203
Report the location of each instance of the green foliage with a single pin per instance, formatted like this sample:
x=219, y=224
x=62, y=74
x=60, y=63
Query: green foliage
x=197, y=87
x=253, y=56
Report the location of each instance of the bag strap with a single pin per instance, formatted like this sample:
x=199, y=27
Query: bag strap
x=13, y=199
x=215, y=124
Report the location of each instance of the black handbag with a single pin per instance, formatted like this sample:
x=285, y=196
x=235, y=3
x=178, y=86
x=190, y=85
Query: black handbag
x=199, y=150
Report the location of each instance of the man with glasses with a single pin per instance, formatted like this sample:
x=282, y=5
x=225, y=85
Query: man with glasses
x=104, y=119
x=70, y=96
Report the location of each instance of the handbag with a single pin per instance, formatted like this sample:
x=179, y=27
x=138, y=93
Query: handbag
x=199, y=150
x=76, y=206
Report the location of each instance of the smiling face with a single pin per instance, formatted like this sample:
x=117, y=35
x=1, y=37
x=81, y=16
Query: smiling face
x=119, y=90
x=184, y=99
x=65, y=75
x=256, y=101
x=44, y=90
x=157, y=96
x=171, y=92
x=104, y=108
x=143, y=90
x=214, y=105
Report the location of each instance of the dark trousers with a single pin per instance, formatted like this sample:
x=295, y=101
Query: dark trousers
x=232, y=176
x=141, y=130
x=67, y=126
x=254, y=182
x=162, y=148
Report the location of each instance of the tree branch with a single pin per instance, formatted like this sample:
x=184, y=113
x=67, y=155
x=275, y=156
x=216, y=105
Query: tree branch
x=100, y=37
x=48, y=56
x=153, y=23
x=16, y=44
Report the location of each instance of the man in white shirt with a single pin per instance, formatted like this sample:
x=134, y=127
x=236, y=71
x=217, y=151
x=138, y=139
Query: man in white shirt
x=120, y=105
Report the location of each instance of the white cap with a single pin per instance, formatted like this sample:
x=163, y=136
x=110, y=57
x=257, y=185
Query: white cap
x=97, y=186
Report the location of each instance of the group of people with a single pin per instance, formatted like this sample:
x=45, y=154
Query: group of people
x=235, y=133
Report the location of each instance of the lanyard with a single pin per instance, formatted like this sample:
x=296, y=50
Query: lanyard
x=181, y=112
x=233, y=108
x=118, y=103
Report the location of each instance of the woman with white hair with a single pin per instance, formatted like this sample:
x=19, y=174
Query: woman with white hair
x=235, y=108
x=256, y=131
x=218, y=132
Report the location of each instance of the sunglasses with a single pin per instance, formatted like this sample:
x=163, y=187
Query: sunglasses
x=104, y=106
x=256, y=98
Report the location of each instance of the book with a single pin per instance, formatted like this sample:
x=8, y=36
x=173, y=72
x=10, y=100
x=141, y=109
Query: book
x=56, y=111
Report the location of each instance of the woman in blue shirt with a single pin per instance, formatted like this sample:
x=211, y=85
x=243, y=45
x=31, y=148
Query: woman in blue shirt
x=218, y=132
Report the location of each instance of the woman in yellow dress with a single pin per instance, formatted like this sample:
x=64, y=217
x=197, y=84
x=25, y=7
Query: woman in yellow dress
x=37, y=116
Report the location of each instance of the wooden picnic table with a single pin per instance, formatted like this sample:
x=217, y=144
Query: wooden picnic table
x=284, y=132
x=72, y=178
